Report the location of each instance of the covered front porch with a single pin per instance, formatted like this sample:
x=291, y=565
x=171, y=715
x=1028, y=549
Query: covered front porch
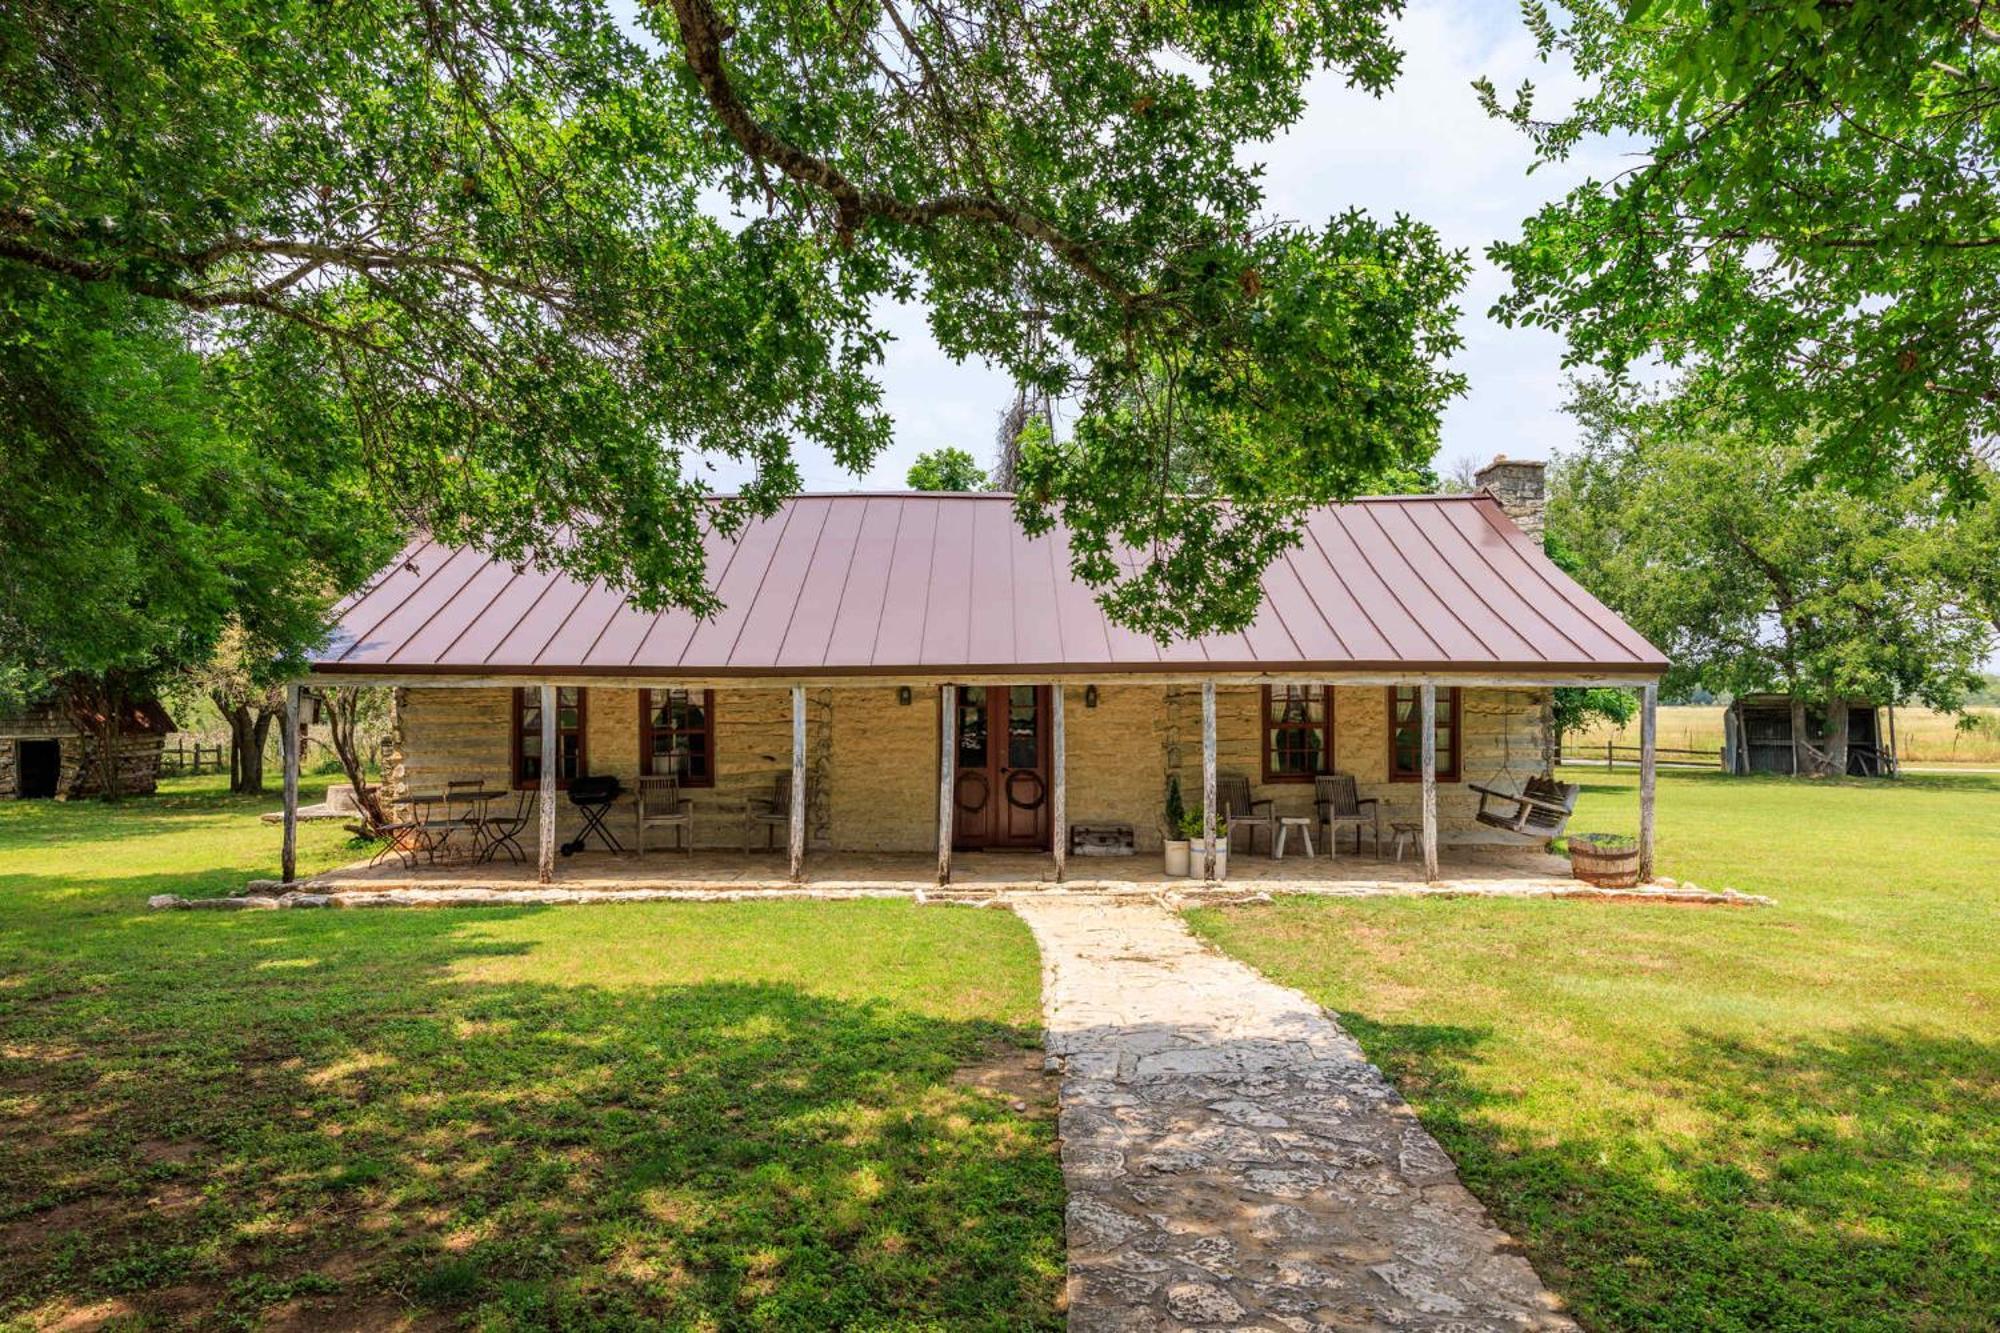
x=851, y=811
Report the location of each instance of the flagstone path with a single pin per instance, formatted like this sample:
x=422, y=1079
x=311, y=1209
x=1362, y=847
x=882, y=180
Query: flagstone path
x=1232, y=1158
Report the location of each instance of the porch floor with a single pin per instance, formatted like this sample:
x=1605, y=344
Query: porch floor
x=1475, y=870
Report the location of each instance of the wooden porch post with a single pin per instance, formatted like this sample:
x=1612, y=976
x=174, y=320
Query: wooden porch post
x=947, y=758
x=546, y=864
x=1649, y=700
x=1208, y=779
x=1430, y=795
x=1059, y=793
x=798, y=812
x=288, y=859
x=1895, y=769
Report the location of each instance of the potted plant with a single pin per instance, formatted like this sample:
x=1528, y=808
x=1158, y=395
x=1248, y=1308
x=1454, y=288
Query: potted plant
x=1175, y=843
x=1608, y=860
x=1191, y=831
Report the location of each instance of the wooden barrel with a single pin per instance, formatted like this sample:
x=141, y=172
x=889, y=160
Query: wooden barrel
x=1602, y=859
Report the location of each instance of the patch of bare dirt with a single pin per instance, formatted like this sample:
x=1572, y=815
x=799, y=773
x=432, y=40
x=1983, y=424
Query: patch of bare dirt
x=1013, y=1075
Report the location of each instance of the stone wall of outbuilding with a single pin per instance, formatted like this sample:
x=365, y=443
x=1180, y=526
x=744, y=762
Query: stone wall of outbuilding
x=872, y=762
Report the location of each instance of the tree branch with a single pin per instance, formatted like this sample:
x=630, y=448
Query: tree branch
x=702, y=35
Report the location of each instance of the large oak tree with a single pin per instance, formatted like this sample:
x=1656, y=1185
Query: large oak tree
x=556, y=270
x=1810, y=214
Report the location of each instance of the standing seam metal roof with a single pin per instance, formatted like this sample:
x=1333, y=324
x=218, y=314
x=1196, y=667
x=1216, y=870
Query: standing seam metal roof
x=927, y=583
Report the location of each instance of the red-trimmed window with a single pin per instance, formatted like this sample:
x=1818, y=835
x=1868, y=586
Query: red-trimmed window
x=1298, y=732
x=1406, y=734
x=677, y=735
x=528, y=735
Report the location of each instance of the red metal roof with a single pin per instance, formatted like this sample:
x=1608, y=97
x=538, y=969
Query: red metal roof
x=929, y=584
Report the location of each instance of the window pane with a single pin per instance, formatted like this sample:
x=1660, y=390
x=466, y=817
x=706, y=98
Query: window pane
x=1298, y=750
x=972, y=727
x=531, y=744
x=1022, y=741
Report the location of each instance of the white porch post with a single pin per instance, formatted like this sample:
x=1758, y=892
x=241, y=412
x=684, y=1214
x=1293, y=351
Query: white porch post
x=288, y=859
x=1208, y=779
x=1430, y=749
x=947, y=759
x=546, y=864
x=1649, y=699
x=1059, y=794
x=798, y=812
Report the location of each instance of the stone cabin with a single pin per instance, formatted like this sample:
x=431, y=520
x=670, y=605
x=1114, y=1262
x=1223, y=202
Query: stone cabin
x=44, y=754
x=890, y=648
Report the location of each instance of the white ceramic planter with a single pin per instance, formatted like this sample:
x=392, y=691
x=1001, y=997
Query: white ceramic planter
x=1177, y=856
x=1195, y=852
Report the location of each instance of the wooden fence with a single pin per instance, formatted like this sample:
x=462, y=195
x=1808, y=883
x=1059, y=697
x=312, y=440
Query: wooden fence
x=193, y=758
x=1666, y=756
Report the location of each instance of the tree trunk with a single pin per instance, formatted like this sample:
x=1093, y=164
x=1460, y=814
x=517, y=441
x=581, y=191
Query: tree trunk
x=249, y=732
x=1836, y=738
x=343, y=706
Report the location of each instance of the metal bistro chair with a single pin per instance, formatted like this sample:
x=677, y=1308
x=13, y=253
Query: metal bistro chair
x=1232, y=800
x=503, y=832
x=661, y=805
x=1339, y=804
x=773, y=812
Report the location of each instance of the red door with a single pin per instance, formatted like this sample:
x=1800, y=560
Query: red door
x=1002, y=784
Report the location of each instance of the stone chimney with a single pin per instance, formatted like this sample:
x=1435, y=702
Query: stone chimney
x=1521, y=487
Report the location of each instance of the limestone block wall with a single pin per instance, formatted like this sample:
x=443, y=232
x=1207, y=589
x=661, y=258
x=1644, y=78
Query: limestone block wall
x=441, y=734
x=872, y=762
x=1501, y=731
x=1117, y=755
x=883, y=781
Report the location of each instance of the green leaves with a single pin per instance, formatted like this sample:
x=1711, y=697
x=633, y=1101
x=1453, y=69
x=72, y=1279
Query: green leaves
x=557, y=274
x=1815, y=220
x=1706, y=531
x=947, y=469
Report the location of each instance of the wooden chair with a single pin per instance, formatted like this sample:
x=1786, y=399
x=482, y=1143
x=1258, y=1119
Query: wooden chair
x=1540, y=810
x=1233, y=803
x=661, y=805
x=772, y=813
x=1339, y=804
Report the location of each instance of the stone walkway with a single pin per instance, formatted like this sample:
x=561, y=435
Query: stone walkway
x=1232, y=1158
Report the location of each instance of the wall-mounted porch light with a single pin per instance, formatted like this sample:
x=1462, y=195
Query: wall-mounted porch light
x=1090, y=696
x=903, y=695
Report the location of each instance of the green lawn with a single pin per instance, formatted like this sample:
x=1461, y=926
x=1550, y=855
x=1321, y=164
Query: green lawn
x=1701, y=1117
x=702, y=1116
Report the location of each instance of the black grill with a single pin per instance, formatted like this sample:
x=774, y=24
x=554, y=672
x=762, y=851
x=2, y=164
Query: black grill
x=595, y=790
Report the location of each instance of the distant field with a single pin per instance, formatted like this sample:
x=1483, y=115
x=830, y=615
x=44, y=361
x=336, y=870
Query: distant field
x=1922, y=737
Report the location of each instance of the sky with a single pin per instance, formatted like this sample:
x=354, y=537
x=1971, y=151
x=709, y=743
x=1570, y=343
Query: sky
x=1426, y=149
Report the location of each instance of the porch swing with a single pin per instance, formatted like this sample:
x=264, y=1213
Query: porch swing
x=1540, y=809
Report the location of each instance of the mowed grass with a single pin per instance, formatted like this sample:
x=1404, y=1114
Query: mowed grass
x=769, y=1115
x=1711, y=1118
x=1922, y=737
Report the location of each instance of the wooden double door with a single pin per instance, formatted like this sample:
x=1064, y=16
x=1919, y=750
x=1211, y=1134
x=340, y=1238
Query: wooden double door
x=1001, y=787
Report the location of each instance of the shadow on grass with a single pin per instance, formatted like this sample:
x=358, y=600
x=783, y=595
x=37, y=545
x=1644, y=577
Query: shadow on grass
x=310, y=1117
x=1851, y=1182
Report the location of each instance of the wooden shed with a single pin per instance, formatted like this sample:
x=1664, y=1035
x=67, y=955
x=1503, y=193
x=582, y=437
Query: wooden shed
x=45, y=754
x=1757, y=736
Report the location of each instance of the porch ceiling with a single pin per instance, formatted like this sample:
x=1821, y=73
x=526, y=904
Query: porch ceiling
x=948, y=586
